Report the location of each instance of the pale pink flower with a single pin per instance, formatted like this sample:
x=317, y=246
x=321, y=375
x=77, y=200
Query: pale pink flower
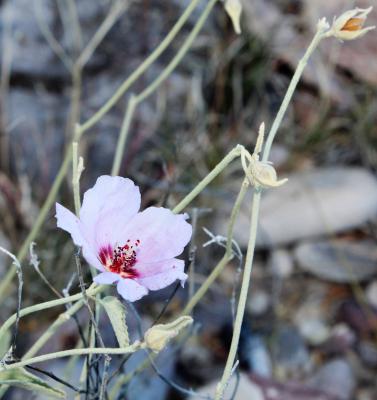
x=135, y=249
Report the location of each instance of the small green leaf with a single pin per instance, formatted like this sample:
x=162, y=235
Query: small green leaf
x=21, y=378
x=117, y=315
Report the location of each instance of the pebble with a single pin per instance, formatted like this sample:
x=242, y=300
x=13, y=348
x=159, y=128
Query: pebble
x=339, y=261
x=313, y=203
x=368, y=353
x=253, y=353
x=335, y=377
x=281, y=263
x=290, y=353
x=341, y=339
x=246, y=390
x=258, y=302
x=371, y=294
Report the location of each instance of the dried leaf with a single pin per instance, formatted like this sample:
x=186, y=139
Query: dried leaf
x=21, y=378
x=117, y=315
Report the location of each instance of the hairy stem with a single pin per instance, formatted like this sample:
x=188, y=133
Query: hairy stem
x=6, y=281
x=48, y=304
x=139, y=98
x=227, y=256
x=74, y=352
x=142, y=68
x=234, y=153
x=254, y=220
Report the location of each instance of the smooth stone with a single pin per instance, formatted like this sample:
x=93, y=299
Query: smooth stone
x=336, y=378
x=31, y=54
x=258, y=302
x=353, y=314
x=368, y=353
x=281, y=263
x=319, y=202
x=44, y=116
x=246, y=390
x=253, y=353
x=315, y=331
x=311, y=317
x=290, y=353
x=341, y=340
x=371, y=294
x=338, y=261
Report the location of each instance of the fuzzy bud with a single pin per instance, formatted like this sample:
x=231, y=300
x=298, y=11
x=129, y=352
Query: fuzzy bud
x=157, y=337
x=234, y=10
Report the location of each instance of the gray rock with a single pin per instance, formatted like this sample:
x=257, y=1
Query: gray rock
x=258, y=302
x=246, y=390
x=30, y=53
x=335, y=377
x=37, y=132
x=290, y=353
x=257, y=356
x=147, y=385
x=341, y=339
x=371, y=293
x=281, y=263
x=319, y=202
x=368, y=353
x=338, y=261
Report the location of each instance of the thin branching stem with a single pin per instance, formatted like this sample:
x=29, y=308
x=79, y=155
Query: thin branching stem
x=74, y=352
x=254, y=220
x=6, y=282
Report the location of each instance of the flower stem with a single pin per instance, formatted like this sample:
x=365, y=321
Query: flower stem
x=234, y=153
x=74, y=352
x=123, y=135
x=254, y=220
x=227, y=256
x=6, y=281
x=61, y=319
x=75, y=178
x=48, y=304
x=139, y=98
x=288, y=95
x=142, y=68
x=243, y=297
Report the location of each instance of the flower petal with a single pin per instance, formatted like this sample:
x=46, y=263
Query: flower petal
x=106, y=278
x=156, y=276
x=162, y=234
x=91, y=257
x=107, y=207
x=67, y=221
x=131, y=290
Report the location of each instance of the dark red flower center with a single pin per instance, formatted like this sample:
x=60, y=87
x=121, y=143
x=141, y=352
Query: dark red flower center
x=121, y=259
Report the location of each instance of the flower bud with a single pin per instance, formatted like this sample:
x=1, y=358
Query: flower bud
x=349, y=25
x=157, y=337
x=265, y=175
x=234, y=10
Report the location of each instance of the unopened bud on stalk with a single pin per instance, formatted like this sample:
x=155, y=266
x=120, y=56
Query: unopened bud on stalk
x=350, y=24
x=157, y=337
x=234, y=10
